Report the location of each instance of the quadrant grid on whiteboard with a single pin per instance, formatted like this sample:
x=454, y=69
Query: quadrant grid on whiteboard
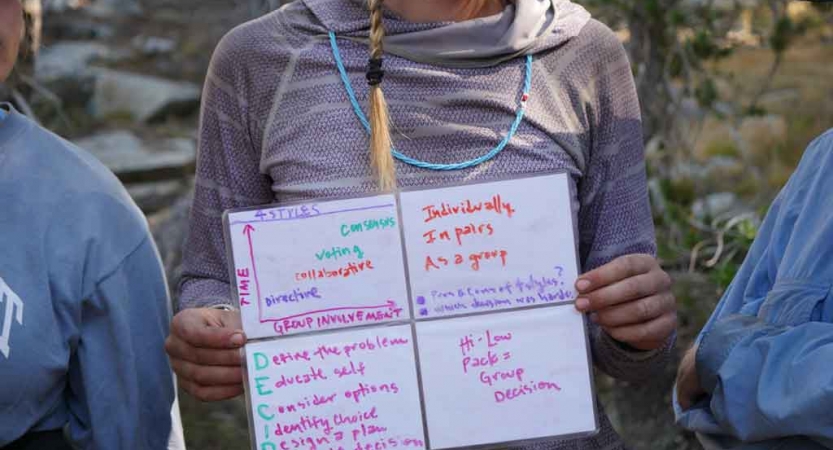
x=478, y=258
x=318, y=266
x=525, y=372
x=488, y=247
x=350, y=389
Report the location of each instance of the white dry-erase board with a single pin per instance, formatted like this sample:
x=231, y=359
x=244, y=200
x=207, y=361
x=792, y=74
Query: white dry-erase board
x=432, y=319
x=351, y=389
x=318, y=266
x=492, y=246
x=513, y=376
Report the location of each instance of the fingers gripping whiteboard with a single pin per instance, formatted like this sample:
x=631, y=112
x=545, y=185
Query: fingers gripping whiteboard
x=430, y=319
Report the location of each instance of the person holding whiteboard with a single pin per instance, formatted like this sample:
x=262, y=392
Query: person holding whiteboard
x=83, y=300
x=477, y=90
x=758, y=376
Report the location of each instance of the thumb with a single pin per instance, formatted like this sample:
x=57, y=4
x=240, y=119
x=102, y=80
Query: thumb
x=208, y=328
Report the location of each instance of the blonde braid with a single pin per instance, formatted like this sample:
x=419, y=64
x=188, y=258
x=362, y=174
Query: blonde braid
x=380, y=139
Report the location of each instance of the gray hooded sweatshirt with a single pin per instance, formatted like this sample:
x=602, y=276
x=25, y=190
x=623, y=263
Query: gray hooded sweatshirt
x=277, y=126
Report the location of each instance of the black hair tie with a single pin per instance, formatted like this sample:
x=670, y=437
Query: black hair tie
x=375, y=72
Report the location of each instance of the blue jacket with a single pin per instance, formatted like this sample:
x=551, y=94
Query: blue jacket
x=766, y=355
x=83, y=300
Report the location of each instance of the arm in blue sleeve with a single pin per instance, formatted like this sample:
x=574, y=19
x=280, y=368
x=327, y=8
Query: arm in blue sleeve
x=764, y=355
x=769, y=381
x=121, y=389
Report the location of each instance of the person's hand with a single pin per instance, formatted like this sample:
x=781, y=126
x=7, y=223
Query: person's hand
x=204, y=348
x=631, y=299
x=689, y=390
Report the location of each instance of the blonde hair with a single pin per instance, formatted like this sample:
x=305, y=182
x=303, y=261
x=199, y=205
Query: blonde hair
x=381, y=158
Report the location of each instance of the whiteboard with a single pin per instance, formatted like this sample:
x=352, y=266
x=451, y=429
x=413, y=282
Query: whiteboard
x=486, y=247
x=318, y=266
x=353, y=389
x=506, y=377
x=488, y=351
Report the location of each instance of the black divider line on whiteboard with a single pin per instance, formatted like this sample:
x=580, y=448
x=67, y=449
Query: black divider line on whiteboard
x=415, y=320
x=414, y=339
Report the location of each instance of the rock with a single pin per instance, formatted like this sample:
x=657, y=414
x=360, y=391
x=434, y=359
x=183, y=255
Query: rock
x=259, y=7
x=754, y=135
x=169, y=228
x=152, y=45
x=730, y=174
x=76, y=28
x=64, y=59
x=142, y=97
x=155, y=171
x=61, y=5
x=725, y=109
x=97, y=8
x=689, y=170
x=64, y=69
x=716, y=137
x=690, y=109
x=717, y=205
x=155, y=196
x=114, y=8
x=134, y=160
x=780, y=99
x=761, y=135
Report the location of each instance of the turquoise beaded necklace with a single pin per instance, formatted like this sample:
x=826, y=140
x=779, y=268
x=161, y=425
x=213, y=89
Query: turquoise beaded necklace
x=519, y=116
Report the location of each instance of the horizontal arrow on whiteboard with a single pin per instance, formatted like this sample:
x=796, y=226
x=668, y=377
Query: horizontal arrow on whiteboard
x=389, y=304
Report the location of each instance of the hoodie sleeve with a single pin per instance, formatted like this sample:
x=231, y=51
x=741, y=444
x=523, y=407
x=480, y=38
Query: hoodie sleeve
x=111, y=303
x=615, y=215
x=120, y=383
x=228, y=173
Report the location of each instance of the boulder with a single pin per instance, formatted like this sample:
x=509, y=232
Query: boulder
x=170, y=228
x=64, y=68
x=114, y=8
x=61, y=5
x=97, y=8
x=73, y=27
x=144, y=98
x=65, y=59
x=719, y=205
x=152, y=45
x=155, y=196
x=760, y=136
x=135, y=160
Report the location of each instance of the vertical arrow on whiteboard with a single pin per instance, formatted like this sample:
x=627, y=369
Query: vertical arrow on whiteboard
x=248, y=230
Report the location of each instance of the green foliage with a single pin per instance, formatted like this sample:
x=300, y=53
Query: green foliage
x=682, y=191
x=722, y=148
x=706, y=93
x=783, y=33
x=723, y=274
x=703, y=45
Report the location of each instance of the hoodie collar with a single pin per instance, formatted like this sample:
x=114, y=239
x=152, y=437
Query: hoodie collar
x=524, y=27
